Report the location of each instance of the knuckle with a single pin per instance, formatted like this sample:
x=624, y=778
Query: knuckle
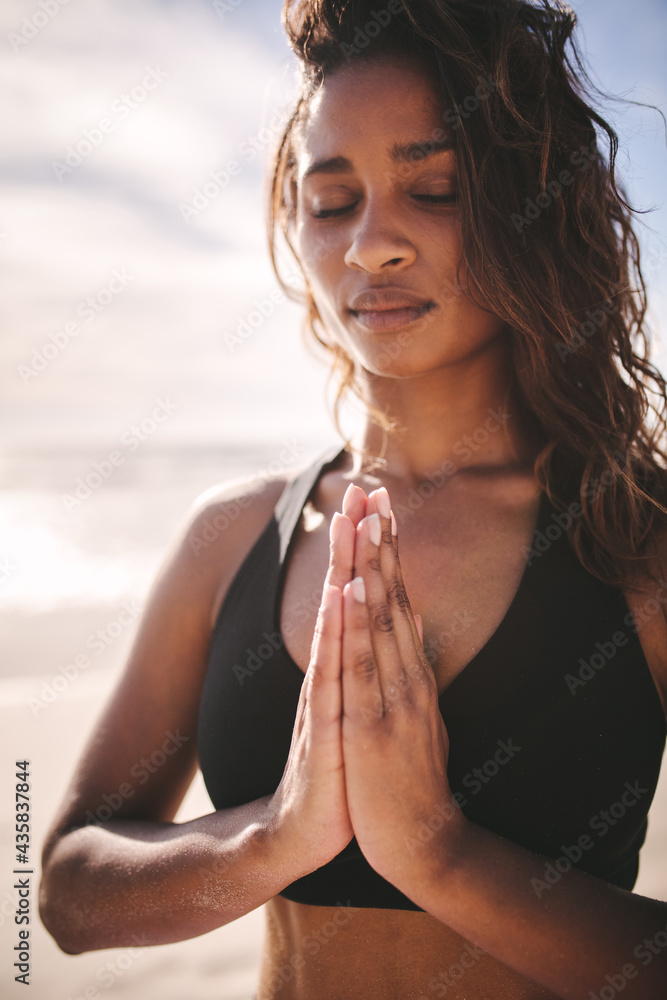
x=316, y=681
x=375, y=564
x=320, y=638
x=371, y=715
x=398, y=595
x=321, y=629
x=381, y=618
x=364, y=664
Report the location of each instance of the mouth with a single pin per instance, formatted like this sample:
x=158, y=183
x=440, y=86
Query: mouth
x=390, y=317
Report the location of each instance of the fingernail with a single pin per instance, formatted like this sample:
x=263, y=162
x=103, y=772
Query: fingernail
x=334, y=527
x=374, y=528
x=358, y=589
x=394, y=529
x=382, y=500
x=347, y=499
x=420, y=627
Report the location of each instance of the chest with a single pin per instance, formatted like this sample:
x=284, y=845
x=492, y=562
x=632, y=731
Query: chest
x=532, y=755
x=463, y=580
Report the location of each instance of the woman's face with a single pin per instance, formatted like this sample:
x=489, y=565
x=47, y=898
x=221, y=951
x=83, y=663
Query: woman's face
x=377, y=225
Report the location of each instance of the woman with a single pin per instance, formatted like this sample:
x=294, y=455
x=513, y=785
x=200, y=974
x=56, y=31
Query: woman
x=453, y=802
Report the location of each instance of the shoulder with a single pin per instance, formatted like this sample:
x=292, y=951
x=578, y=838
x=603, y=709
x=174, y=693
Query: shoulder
x=229, y=511
x=220, y=529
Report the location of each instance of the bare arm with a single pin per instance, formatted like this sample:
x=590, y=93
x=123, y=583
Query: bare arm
x=115, y=866
x=137, y=875
x=128, y=882
x=576, y=936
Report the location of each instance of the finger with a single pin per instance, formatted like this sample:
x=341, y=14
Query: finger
x=381, y=622
x=323, y=674
x=354, y=503
x=362, y=696
x=341, y=551
x=407, y=637
x=341, y=536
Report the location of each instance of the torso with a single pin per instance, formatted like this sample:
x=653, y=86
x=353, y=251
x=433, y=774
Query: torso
x=465, y=544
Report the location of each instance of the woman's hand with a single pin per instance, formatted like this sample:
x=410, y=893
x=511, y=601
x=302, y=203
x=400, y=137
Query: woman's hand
x=395, y=745
x=309, y=808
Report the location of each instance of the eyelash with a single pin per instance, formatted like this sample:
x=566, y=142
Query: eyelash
x=432, y=199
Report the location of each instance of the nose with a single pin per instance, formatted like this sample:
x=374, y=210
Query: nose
x=379, y=242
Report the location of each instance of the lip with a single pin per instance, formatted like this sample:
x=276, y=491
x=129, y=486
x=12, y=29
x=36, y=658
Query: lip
x=389, y=319
x=388, y=297
x=388, y=308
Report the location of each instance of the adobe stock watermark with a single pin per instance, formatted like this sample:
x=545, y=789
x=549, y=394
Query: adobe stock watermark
x=256, y=658
x=114, y=968
x=457, y=625
x=595, y=320
x=97, y=642
x=130, y=439
x=88, y=310
x=465, y=448
x=473, y=781
x=33, y=25
x=596, y=317
x=7, y=569
x=601, y=823
x=251, y=322
x=553, y=190
x=121, y=108
x=650, y=608
x=448, y=978
x=460, y=112
x=394, y=348
x=645, y=952
x=218, y=181
x=223, y=7
x=560, y=521
x=311, y=943
x=141, y=771
x=214, y=526
x=265, y=306
x=606, y=651
x=363, y=35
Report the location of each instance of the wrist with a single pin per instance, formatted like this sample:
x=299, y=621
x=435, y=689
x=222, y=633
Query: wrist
x=435, y=855
x=277, y=844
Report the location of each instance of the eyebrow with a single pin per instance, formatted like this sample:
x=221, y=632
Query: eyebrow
x=410, y=152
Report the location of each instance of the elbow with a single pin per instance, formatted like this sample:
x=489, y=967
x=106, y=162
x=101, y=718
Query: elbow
x=59, y=901
x=59, y=923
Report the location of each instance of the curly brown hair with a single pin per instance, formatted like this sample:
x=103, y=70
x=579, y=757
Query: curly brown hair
x=547, y=243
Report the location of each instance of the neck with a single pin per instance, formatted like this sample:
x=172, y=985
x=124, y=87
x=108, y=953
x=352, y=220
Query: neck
x=459, y=418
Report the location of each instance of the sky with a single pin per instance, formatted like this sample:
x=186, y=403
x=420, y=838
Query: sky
x=132, y=275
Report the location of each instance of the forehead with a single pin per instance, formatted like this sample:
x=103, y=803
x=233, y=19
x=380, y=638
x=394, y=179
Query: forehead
x=368, y=109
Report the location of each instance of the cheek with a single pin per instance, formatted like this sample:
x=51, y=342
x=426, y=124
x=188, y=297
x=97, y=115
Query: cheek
x=321, y=251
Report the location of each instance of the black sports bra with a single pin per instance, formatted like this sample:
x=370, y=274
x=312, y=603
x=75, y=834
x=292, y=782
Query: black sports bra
x=556, y=728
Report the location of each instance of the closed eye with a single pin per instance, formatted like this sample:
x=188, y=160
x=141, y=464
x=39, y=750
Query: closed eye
x=436, y=199
x=430, y=199
x=328, y=213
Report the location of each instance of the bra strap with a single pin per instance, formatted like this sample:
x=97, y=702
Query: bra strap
x=295, y=495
